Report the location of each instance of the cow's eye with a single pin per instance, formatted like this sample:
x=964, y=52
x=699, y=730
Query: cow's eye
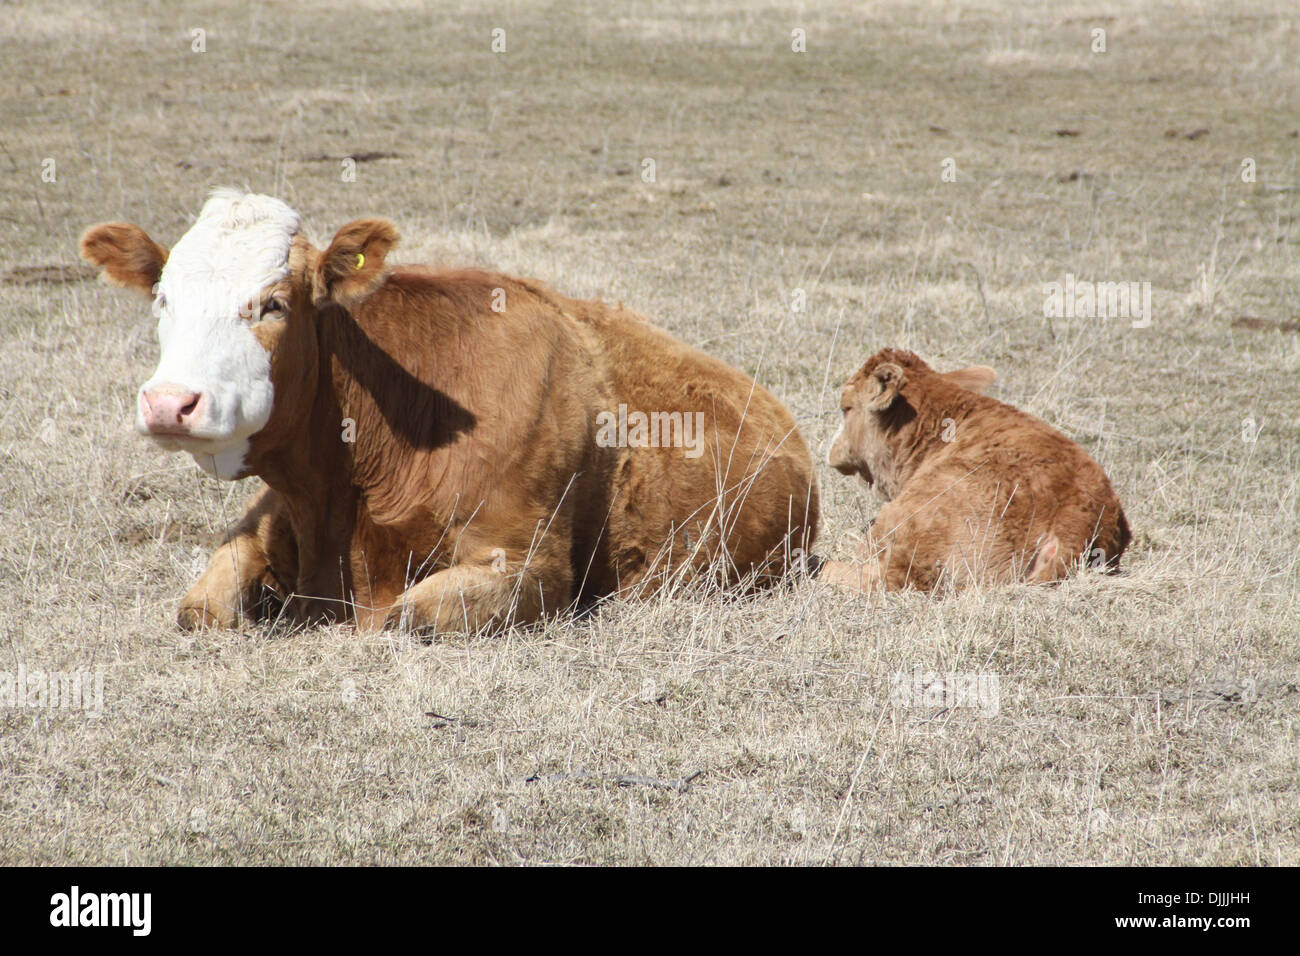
x=274, y=308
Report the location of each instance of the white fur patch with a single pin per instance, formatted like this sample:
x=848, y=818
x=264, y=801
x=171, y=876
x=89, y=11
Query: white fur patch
x=238, y=246
x=834, y=439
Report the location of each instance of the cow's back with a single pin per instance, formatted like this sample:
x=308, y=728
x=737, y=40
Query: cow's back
x=534, y=382
x=742, y=501
x=985, y=502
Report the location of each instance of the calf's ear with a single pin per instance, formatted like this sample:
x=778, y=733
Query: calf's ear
x=353, y=265
x=125, y=252
x=974, y=379
x=883, y=385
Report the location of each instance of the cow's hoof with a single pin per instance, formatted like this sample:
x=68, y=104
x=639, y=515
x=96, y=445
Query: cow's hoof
x=202, y=617
x=409, y=619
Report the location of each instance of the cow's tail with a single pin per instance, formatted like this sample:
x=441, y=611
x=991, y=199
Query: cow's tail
x=1125, y=539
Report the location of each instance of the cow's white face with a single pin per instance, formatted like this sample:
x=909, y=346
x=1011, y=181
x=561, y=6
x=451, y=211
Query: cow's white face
x=237, y=301
x=212, y=389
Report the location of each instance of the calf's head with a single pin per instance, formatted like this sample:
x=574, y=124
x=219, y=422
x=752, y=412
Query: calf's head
x=238, y=300
x=894, y=406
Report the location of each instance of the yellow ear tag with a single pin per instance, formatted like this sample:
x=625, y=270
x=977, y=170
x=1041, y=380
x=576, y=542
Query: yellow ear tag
x=361, y=260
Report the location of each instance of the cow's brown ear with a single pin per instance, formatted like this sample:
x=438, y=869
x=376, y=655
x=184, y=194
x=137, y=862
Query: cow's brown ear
x=975, y=379
x=125, y=252
x=353, y=265
x=883, y=385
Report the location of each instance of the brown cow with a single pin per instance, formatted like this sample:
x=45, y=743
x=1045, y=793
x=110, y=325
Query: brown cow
x=976, y=490
x=451, y=450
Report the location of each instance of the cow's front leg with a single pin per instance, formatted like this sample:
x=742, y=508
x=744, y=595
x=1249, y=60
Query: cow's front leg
x=857, y=575
x=475, y=597
x=865, y=573
x=238, y=585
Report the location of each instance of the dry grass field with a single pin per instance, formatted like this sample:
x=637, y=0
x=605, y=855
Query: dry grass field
x=1147, y=718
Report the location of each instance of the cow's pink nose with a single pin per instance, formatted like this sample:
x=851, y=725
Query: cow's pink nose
x=170, y=409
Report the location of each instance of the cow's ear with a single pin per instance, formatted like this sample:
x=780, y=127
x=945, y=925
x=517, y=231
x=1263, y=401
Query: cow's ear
x=353, y=265
x=883, y=385
x=975, y=379
x=125, y=252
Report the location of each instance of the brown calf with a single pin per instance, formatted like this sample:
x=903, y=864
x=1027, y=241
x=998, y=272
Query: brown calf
x=977, y=490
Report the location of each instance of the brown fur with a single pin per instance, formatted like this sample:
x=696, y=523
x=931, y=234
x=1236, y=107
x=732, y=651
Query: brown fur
x=127, y=255
x=475, y=493
x=1007, y=498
